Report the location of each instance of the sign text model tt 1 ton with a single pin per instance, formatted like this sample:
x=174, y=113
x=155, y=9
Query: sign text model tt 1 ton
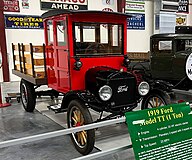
x=86, y=61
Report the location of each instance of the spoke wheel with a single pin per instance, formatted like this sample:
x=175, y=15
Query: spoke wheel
x=154, y=100
x=28, y=97
x=79, y=115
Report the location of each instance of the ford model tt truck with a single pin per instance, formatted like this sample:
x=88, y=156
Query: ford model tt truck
x=86, y=61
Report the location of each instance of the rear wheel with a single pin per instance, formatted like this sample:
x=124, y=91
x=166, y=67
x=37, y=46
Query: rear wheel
x=78, y=115
x=155, y=99
x=28, y=97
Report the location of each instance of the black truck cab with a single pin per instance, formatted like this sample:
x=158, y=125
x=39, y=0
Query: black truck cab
x=169, y=55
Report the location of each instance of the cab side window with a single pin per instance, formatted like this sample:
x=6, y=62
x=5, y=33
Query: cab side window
x=50, y=32
x=61, y=33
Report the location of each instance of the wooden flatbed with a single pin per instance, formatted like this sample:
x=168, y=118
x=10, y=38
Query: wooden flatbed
x=29, y=63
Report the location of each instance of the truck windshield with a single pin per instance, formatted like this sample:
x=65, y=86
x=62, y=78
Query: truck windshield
x=184, y=45
x=98, y=39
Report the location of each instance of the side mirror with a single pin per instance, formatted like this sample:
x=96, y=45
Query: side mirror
x=78, y=64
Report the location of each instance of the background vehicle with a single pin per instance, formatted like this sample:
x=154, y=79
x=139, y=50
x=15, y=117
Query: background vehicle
x=86, y=61
x=168, y=58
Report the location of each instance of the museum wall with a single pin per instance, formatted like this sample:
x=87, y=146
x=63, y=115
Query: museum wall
x=138, y=38
x=138, y=35
x=36, y=36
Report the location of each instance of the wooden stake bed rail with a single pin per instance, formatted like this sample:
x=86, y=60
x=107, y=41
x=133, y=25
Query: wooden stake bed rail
x=29, y=63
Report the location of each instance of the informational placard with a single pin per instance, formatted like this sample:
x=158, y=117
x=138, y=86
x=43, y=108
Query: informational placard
x=11, y=6
x=161, y=133
x=23, y=22
x=64, y=4
x=136, y=21
x=135, y=6
x=183, y=6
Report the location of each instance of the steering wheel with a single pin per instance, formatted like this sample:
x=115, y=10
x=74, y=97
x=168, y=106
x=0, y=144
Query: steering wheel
x=94, y=48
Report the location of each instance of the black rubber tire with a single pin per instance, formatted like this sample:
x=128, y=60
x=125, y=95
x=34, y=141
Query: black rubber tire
x=162, y=96
x=28, y=96
x=78, y=105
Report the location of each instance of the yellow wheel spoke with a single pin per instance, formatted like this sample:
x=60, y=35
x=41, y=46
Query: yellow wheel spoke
x=74, y=120
x=78, y=137
x=75, y=115
x=85, y=133
x=79, y=116
x=82, y=141
x=153, y=102
x=83, y=136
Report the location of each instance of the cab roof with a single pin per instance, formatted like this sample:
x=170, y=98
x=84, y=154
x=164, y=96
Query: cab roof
x=171, y=35
x=60, y=12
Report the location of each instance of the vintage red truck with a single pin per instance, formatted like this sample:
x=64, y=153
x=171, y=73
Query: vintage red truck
x=86, y=60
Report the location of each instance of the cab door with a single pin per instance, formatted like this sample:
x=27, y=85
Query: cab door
x=162, y=58
x=61, y=54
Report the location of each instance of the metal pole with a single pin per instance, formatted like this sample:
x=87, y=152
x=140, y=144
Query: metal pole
x=60, y=132
x=6, y=76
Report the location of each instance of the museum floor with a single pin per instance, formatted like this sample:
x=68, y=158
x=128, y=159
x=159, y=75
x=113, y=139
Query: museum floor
x=16, y=123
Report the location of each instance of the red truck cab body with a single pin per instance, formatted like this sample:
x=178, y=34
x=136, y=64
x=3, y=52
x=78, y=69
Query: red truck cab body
x=88, y=37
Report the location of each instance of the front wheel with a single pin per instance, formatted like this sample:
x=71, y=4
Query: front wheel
x=155, y=99
x=28, y=97
x=78, y=115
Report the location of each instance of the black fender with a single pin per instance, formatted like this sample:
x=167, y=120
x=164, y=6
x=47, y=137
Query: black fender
x=161, y=85
x=163, y=94
x=81, y=95
x=164, y=87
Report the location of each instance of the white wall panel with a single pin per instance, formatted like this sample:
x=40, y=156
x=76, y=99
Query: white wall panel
x=138, y=40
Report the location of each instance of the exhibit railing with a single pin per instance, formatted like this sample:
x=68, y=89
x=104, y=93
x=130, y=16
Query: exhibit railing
x=43, y=136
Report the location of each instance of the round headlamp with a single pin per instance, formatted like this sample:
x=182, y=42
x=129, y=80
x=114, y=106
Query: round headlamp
x=105, y=93
x=143, y=88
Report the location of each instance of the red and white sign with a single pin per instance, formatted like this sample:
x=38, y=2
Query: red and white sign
x=64, y=4
x=81, y=2
x=11, y=6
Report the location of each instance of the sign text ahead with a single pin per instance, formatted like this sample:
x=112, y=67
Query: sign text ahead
x=23, y=22
x=64, y=4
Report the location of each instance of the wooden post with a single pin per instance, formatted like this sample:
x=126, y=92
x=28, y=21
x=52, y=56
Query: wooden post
x=5, y=65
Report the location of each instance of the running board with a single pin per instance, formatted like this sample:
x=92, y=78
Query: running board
x=56, y=108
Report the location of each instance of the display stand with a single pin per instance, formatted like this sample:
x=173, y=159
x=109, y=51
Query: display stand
x=2, y=105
